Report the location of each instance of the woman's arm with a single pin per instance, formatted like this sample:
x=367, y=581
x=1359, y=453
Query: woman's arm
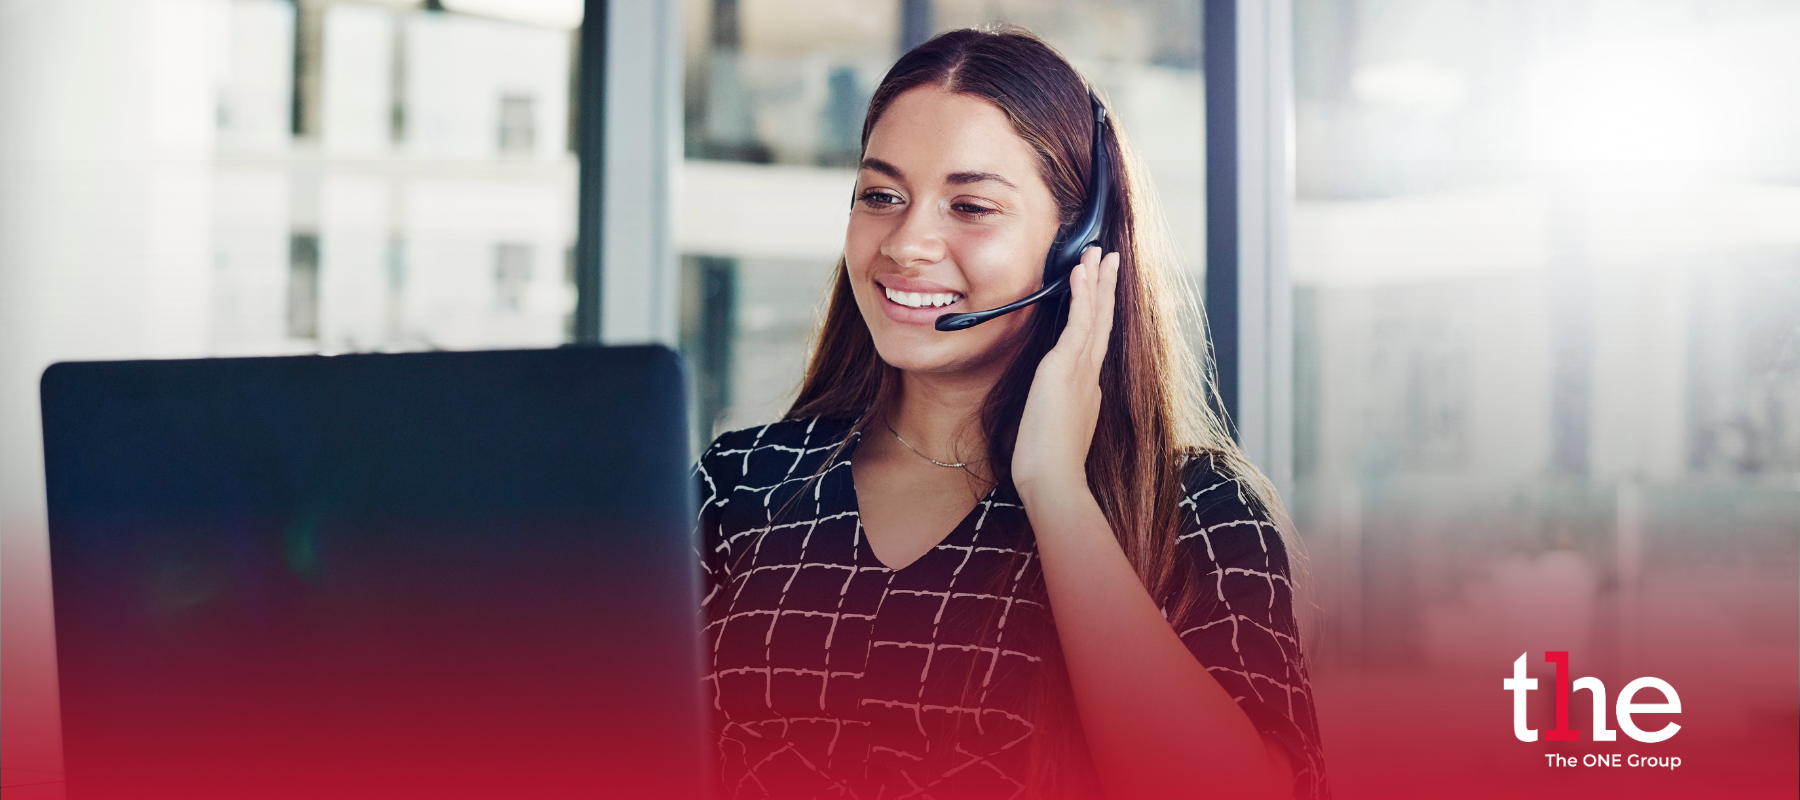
x=1157, y=723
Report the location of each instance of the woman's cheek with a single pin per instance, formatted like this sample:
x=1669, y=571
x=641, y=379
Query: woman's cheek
x=997, y=270
x=862, y=245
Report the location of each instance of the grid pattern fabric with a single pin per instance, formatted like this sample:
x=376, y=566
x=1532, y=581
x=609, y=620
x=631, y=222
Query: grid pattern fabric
x=1243, y=629
x=833, y=676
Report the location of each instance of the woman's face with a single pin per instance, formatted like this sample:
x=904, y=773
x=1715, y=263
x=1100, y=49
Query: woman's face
x=950, y=216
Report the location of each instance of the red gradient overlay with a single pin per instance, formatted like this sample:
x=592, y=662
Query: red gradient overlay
x=1392, y=727
x=1395, y=730
x=373, y=668
x=31, y=763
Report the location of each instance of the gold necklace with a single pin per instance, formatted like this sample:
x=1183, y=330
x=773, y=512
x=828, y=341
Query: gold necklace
x=960, y=464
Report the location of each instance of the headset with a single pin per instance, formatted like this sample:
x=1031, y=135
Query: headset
x=1071, y=241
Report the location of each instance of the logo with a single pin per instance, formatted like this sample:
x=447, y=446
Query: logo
x=1623, y=710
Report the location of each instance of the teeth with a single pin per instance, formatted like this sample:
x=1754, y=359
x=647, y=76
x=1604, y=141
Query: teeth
x=922, y=299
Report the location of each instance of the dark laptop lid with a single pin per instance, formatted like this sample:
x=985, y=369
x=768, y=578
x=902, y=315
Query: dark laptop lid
x=432, y=574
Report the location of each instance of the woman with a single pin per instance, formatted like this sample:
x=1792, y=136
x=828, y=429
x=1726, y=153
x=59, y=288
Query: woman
x=1017, y=560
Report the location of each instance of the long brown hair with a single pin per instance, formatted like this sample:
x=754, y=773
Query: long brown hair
x=1153, y=413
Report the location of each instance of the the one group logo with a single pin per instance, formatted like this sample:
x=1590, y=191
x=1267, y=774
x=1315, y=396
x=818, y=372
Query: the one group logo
x=1623, y=710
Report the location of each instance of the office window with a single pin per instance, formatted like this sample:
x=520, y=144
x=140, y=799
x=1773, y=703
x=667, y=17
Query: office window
x=303, y=286
x=430, y=165
x=512, y=275
x=517, y=124
x=709, y=334
x=280, y=161
x=1547, y=332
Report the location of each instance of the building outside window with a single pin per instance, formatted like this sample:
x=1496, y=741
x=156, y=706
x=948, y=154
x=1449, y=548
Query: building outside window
x=443, y=130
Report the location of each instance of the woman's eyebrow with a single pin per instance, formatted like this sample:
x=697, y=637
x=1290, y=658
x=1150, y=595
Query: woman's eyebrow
x=883, y=167
x=954, y=178
x=965, y=178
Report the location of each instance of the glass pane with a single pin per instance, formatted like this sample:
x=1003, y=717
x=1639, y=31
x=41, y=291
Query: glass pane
x=418, y=165
x=775, y=96
x=1547, y=299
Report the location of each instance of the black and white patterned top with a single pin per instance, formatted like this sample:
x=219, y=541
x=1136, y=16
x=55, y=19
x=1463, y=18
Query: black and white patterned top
x=834, y=676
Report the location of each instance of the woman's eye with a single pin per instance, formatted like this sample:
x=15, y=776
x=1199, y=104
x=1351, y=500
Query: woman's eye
x=880, y=199
x=971, y=208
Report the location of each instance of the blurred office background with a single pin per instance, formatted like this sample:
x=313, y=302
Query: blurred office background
x=1546, y=286
x=1544, y=260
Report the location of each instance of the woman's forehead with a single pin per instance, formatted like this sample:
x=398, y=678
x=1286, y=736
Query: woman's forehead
x=928, y=134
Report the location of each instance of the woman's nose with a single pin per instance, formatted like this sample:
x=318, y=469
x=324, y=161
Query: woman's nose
x=919, y=239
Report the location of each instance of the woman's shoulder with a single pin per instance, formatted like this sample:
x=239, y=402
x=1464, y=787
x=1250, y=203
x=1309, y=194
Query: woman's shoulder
x=1224, y=512
x=740, y=452
x=1212, y=486
x=806, y=432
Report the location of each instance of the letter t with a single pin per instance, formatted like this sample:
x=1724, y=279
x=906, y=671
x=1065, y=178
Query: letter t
x=1518, y=684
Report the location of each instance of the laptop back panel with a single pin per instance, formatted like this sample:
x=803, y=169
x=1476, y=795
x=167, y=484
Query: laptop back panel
x=435, y=574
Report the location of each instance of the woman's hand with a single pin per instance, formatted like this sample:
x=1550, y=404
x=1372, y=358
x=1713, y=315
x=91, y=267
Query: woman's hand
x=1057, y=426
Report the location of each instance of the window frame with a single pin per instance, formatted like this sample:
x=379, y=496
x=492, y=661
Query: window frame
x=1247, y=68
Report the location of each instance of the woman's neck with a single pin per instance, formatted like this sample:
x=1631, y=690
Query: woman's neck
x=940, y=413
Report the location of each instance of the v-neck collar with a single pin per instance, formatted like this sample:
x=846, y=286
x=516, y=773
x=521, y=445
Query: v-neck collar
x=844, y=462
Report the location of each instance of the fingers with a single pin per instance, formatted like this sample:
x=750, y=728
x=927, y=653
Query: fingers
x=1093, y=292
x=1106, y=292
x=1094, y=298
x=1079, y=330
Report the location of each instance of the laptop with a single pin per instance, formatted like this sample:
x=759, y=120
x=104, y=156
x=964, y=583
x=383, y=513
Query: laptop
x=401, y=575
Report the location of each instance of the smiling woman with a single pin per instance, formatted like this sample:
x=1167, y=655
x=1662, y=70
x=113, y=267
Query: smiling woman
x=1020, y=559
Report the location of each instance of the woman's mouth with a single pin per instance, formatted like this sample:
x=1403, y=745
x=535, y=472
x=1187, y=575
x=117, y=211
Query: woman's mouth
x=922, y=299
